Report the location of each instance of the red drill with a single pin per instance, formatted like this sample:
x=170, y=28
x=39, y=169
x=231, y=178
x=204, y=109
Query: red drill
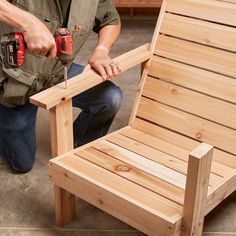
x=13, y=49
x=64, y=49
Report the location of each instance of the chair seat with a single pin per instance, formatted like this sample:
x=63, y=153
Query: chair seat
x=130, y=173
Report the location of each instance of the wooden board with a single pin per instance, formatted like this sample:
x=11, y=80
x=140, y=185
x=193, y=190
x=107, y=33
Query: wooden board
x=137, y=3
x=188, y=124
x=194, y=78
x=212, y=59
x=148, y=129
x=53, y=96
x=133, y=174
x=212, y=10
x=190, y=101
x=177, y=152
x=199, y=31
x=102, y=189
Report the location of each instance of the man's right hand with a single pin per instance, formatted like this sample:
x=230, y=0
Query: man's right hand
x=38, y=38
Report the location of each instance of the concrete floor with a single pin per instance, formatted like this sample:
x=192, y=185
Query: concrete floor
x=26, y=201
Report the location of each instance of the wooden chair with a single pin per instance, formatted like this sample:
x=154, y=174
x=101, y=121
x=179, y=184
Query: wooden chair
x=143, y=174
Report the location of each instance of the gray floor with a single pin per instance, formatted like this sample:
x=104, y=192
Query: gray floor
x=26, y=201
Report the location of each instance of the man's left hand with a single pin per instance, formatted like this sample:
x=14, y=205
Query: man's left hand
x=103, y=64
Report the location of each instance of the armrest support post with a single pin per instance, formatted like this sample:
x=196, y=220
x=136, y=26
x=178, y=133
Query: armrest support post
x=198, y=175
x=61, y=120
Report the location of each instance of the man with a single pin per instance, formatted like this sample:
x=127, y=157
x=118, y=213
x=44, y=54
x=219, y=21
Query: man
x=38, y=21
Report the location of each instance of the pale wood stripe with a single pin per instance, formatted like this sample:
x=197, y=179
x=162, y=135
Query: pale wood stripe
x=193, y=102
x=197, y=55
x=187, y=124
x=181, y=153
x=169, y=161
x=212, y=10
x=142, y=163
x=103, y=180
x=191, y=77
x=181, y=141
x=199, y=31
x=133, y=174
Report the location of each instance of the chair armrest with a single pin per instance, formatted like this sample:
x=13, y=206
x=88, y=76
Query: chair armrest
x=51, y=97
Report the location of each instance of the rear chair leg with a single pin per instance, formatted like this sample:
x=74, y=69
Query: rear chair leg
x=198, y=176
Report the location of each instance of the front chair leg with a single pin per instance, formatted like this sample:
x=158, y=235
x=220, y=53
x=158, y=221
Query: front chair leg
x=62, y=142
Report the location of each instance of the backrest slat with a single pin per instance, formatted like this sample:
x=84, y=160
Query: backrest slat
x=210, y=10
x=190, y=87
x=200, y=31
x=194, y=78
x=190, y=101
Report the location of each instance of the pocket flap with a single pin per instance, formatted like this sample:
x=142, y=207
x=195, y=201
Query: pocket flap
x=20, y=75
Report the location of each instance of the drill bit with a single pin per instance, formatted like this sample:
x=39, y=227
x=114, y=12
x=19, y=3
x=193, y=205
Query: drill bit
x=65, y=76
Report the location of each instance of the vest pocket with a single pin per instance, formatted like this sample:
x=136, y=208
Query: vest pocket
x=17, y=86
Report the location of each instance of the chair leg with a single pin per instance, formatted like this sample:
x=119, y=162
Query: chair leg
x=64, y=206
x=62, y=142
x=198, y=176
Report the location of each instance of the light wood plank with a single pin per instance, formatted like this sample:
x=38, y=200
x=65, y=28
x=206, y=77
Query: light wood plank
x=199, y=31
x=142, y=163
x=53, y=96
x=145, y=67
x=133, y=174
x=167, y=160
x=194, y=78
x=172, y=149
x=212, y=10
x=195, y=198
x=135, y=194
x=101, y=189
x=187, y=124
x=197, y=55
x=190, y=101
x=181, y=141
x=61, y=124
x=217, y=194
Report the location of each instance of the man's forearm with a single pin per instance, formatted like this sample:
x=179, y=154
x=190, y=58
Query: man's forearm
x=14, y=16
x=108, y=35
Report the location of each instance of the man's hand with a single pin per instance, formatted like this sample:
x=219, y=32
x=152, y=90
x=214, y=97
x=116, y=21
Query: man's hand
x=39, y=39
x=100, y=60
x=103, y=64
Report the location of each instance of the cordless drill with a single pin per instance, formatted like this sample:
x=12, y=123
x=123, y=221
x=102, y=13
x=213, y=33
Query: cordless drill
x=13, y=49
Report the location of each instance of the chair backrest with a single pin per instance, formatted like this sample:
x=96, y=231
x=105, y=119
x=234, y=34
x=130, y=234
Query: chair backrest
x=190, y=87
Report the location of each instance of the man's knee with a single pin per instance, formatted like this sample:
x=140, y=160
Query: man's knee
x=114, y=97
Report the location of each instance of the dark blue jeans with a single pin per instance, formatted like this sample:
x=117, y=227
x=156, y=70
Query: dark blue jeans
x=99, y=106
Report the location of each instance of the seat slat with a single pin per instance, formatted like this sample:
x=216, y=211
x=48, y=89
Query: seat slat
x=199, y=31
x=212, y=10
x=191, y=101
x=140, y=162
x=187, y=124
x=197, y=79
x=212, y=59
x=156, y=203
x=151, y=153
x=171, y=149
x=181, y=141
x=162, y=158
x=133, y=174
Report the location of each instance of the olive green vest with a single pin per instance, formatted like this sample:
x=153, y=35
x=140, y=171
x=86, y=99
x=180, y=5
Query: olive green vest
x=39, y=73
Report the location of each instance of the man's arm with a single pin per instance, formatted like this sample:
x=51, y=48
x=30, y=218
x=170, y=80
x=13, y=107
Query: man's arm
x=38, y=38
x=100, y=59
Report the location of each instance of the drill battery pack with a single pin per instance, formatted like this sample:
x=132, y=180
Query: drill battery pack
x=12, y=50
